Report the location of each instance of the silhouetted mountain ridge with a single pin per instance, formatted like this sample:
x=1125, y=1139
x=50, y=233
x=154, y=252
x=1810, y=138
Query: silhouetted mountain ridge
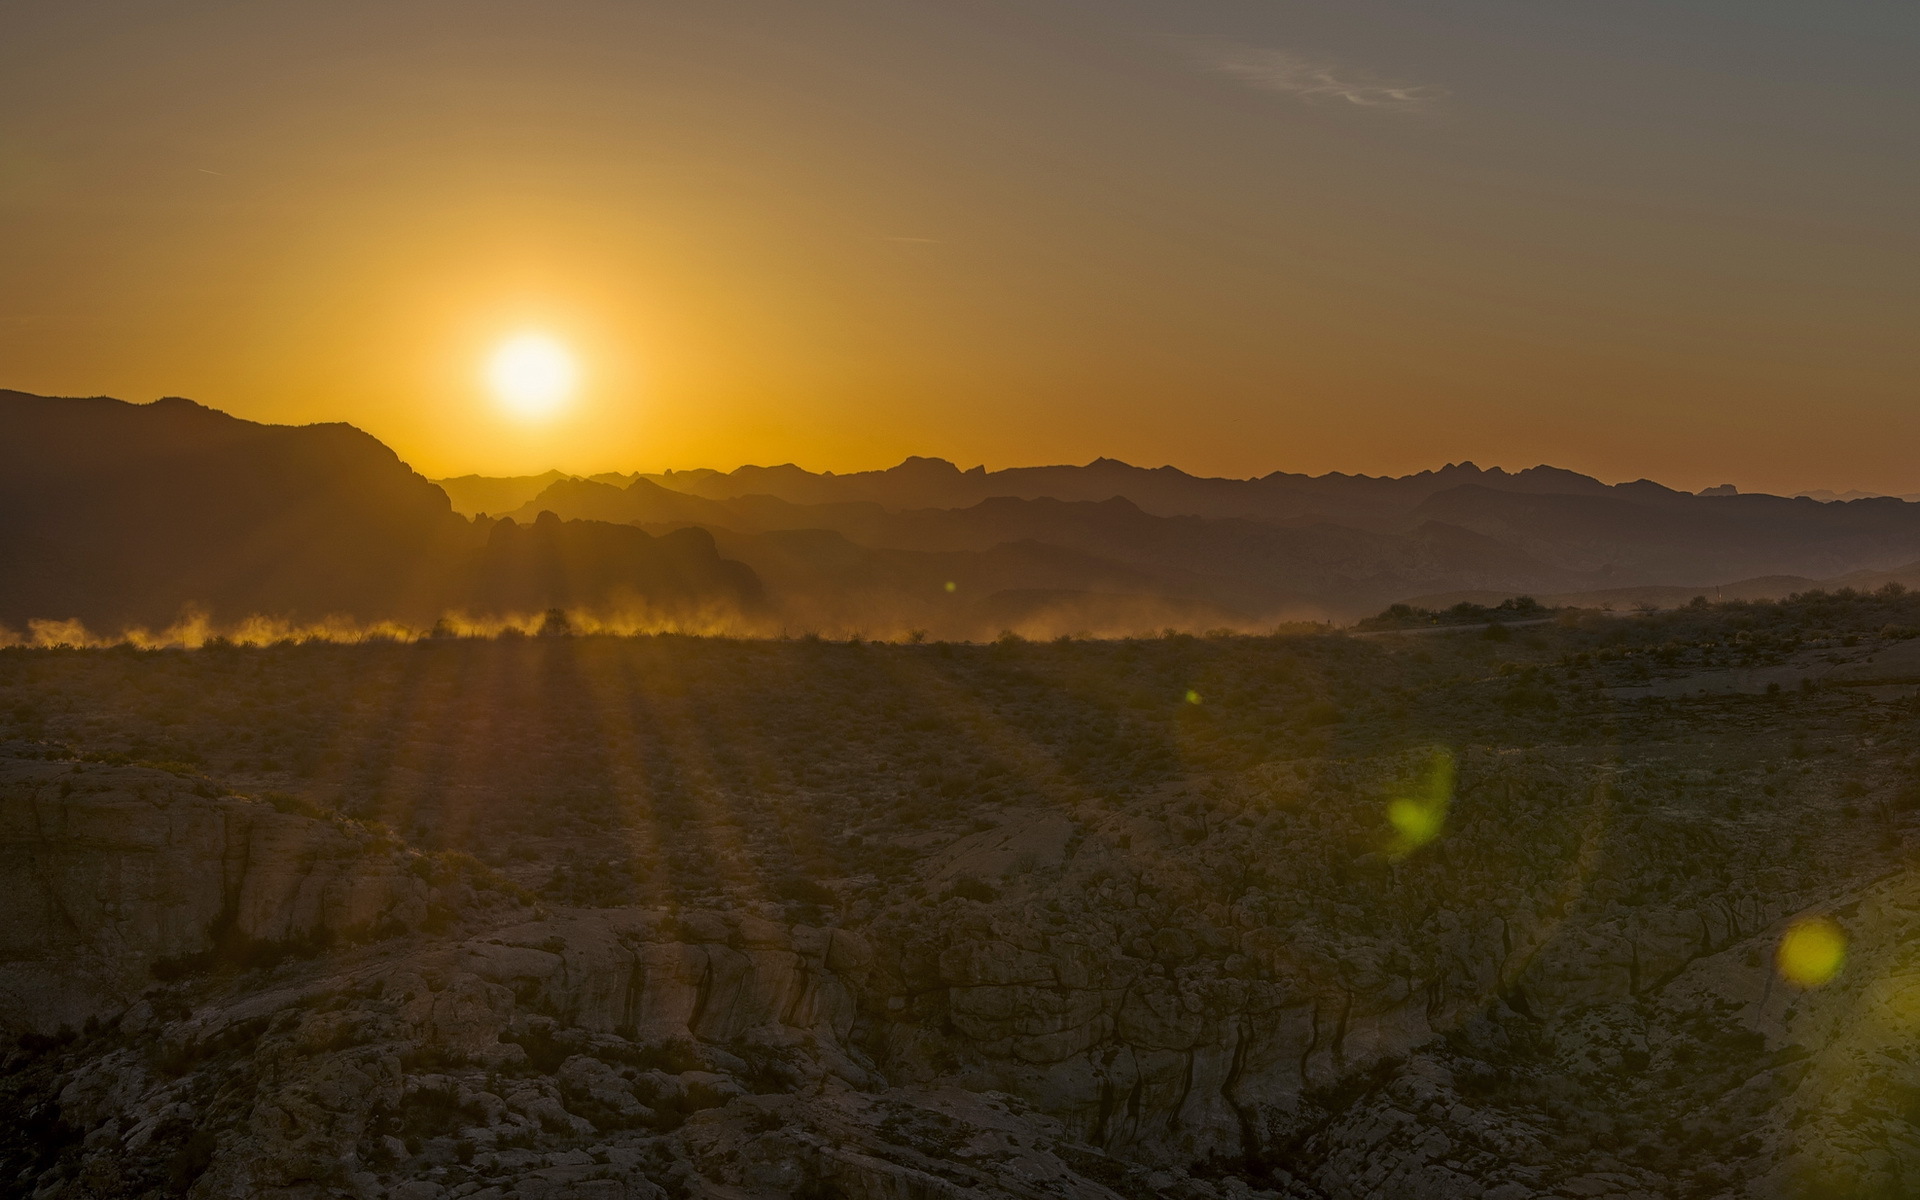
x=1164, y=491
x=124, y=515
x=1458, y=536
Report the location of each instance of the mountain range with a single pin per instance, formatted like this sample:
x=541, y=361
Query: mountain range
x=122, y=515
x=1274, y=548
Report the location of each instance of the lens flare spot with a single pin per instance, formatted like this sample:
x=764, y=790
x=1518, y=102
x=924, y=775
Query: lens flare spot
x=1419, y=818
x=952, y=586
x=1416, y=821
x=1812, y=951
x=1193, y=697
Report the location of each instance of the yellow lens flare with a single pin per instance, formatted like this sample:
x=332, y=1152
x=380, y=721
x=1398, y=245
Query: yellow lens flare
x=1418, y=818
x=1812, y=951
x=531, y=375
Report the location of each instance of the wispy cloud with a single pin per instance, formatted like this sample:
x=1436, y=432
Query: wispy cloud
x=1311, y=79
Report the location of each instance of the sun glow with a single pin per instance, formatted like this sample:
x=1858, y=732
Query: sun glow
x=532, y=375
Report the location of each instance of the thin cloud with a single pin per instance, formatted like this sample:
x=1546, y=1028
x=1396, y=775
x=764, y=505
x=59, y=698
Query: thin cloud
x=1313, y=79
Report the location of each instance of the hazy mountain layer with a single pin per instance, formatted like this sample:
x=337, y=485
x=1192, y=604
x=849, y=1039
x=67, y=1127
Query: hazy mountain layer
x=1393, y=539
x=137, y=515
x=1165, y=491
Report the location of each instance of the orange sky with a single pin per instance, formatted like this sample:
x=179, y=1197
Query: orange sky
x=1672, y=241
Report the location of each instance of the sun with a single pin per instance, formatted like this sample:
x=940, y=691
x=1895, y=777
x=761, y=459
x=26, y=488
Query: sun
x=532, y=375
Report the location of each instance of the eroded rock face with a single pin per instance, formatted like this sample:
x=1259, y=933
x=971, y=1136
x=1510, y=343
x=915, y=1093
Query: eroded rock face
x=112, y=870
x=643, y=976
x=1212, y=992
x=585, y=1054
x=1202, y=963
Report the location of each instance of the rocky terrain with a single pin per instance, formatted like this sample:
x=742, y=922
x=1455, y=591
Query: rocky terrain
x=1481, y=913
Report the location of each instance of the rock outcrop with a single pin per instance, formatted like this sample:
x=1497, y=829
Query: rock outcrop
x=115, y=873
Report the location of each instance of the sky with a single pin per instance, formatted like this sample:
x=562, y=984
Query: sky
x=1675, y=240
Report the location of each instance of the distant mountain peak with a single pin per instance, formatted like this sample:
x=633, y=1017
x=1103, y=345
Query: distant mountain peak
x=915, y=464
